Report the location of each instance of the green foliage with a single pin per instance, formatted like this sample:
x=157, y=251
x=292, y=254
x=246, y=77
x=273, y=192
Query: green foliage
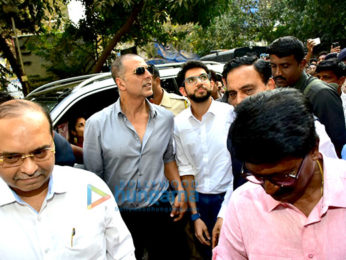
x=67, y=54
x=82, y=44
x=30, y=17
x=247, y=21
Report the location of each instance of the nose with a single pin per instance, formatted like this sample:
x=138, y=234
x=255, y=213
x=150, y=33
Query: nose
x=240, y=98
x=147, y=72
x=277, y=71
x=270, y=188
x=29, y=166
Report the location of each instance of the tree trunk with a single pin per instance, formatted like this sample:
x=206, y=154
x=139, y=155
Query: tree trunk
x=14, y=64
x=116, y=38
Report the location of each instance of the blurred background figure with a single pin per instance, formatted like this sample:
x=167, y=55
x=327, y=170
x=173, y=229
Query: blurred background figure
x=76, y=130
x=170, y=101
x=217, y=85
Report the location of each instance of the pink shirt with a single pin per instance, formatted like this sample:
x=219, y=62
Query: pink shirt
x=258, y=227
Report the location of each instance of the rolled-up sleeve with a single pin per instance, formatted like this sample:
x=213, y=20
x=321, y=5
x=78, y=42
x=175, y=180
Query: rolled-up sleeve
x=184, y=165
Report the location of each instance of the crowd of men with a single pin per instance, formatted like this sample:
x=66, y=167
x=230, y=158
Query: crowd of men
x=251, y=173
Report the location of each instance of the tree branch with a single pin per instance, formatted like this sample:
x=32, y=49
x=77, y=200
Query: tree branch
x=116, y=38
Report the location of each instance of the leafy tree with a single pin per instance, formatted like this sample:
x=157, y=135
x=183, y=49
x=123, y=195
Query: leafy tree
x=249, y=21
x=87, y=46
x=311, y=18
x=29, y=17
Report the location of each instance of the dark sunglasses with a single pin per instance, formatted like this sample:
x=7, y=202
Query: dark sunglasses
x=141, y=70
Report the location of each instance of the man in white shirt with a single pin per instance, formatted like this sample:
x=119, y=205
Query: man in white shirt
x=47, y=211
x=203, y=160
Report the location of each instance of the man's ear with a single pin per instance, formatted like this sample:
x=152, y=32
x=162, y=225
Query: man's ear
x=120, y=83
x=341, y=81
x=270, y=84
x=224, y=82
x=302, y=64
x=316, y=155
x=182, y=91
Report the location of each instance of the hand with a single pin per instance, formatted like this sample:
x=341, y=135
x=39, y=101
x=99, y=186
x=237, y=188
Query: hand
x=179, y=206
x=201, y=232
x=334, y=49
x=216, y=232
x=310, y=45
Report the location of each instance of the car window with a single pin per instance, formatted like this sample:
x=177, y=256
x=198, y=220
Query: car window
x=51, y=97
x=170, y=85
x=89, y=105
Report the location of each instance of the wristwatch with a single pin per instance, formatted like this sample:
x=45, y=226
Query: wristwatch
x=195, y=216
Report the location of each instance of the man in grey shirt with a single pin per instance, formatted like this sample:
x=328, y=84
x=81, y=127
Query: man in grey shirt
x=130, y=145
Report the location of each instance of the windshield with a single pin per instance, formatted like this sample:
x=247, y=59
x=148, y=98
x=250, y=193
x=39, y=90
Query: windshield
x=52, y=96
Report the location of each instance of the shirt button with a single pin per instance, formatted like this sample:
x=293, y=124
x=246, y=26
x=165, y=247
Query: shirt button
x=310, y=255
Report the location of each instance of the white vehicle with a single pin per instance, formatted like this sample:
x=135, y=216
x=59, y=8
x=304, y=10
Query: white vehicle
x=90, y=93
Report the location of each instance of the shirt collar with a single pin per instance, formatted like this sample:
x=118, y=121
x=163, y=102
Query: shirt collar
x=301, y=83
x=212, y=109
x=152, y=108
x=166, y=101
x=334, y=188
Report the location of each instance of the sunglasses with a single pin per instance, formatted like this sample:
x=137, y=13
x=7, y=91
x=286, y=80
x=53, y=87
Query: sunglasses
x=141, y=70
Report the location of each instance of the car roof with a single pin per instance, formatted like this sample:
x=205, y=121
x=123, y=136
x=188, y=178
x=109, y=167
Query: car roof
x=59, y=96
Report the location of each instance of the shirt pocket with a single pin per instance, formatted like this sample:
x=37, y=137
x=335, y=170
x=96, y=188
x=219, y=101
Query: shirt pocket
x=84, y=239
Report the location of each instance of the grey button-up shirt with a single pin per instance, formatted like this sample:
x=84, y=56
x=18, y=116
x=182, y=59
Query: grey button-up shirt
x=133, y=170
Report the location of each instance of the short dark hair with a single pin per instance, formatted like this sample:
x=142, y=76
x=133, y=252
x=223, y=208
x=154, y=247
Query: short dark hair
x=15, y=108
x=322, y=53
x=339, y=68
x=187, y=66
x=286, y=46
x=154, y=70
x=260, y=65
x=273, y=125
x=313, y=60
x=213, y=76
x=4, y=96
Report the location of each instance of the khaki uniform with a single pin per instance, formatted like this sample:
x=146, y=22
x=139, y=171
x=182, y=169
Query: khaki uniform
x=174, y=102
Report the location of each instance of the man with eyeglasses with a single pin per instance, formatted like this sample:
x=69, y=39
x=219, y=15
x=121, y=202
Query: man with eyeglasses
x=45, y=211
x=294, y=205
x=204, y=163
x=129, y=144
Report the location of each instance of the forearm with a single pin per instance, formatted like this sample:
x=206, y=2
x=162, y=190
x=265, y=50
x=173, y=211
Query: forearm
x=189, y=185
x=172, y=174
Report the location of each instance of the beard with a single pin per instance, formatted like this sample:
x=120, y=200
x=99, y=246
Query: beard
x=199, y=99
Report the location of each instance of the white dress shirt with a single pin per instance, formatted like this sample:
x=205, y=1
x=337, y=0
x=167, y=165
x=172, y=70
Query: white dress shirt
x=79, y=219
x=201, y=148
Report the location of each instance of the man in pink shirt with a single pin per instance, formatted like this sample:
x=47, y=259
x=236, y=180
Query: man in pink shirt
x=294, y=205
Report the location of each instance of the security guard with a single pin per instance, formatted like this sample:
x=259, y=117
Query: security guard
x=161, y=97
